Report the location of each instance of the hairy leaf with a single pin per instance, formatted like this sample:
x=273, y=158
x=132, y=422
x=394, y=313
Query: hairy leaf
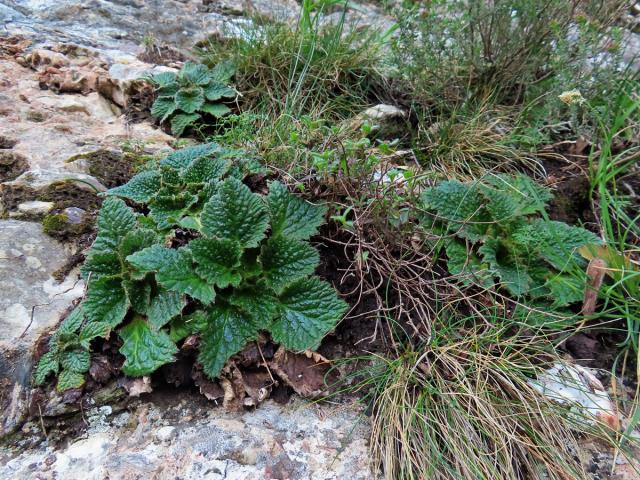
x=555, y=242
x=182, y=121
x=223, y=71
x=215, y=109
x=139, y=293
x=69, y=379
x=76, y=360
x=291, y=216
x=218, y=260
x=115, y=220
x=257, y=302
x=137, y=240
x=285, y=260
x=152, y=259
x=179, y=275
x=141, y=188
x=190, y=99
x=48, y=364
x=309, y=309
x=204, y=170
x=163, y=107
x=164, y=79
x=227, y=332
x=106, y=301
x=181, y=159
x=461, y=206
x=195, y=73
x=93, y=330
x=167, y=210
x=165, y=306
x=101, y=263
x=235, y=213
x=145, y=349
x=217, y=90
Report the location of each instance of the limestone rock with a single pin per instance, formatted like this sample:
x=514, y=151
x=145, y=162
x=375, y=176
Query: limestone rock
x=31, y=302
x=124, y=80
x=301, y=442
x=46, y=129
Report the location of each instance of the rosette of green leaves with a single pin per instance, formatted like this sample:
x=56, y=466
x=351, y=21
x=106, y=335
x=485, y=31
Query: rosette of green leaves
x=245, y=266
x=497, y=235
x=192, y=94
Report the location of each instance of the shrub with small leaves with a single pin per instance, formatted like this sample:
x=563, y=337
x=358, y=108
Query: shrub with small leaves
x=201, y=254
x=497, y=235
x=192, y=94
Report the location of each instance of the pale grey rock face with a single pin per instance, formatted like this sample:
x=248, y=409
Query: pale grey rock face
x=31, y=302
x=48, y=128
x=299, y=441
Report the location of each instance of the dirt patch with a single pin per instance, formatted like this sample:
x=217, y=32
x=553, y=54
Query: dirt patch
x=12, y=164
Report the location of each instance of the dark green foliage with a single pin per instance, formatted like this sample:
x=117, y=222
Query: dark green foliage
x=186, y=97
x=236, y=275
x=497, y=235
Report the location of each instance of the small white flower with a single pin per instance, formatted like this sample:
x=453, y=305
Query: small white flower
x=572, y=97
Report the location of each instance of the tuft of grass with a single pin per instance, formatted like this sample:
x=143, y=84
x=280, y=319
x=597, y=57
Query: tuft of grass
x=465, y=406
x=472, y=141
x=327, y=69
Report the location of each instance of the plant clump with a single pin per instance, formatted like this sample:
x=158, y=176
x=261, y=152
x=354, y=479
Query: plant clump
x=202, y=255
x=496, y=235
x=191, y=95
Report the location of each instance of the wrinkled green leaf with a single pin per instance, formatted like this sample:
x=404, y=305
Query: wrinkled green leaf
x=101, y=263
x=195, y=73
x=215, y=109
x=309, y=309
x=145, y=349
x=227, y=333
x=181, y=159
x=286, y=260
x=165, y=306
x=218, y=260
x=76, y=360
x=291, y=216
x=93, y=330
x=235, y=213
x=115, y=220
x=69, y=379
x=204, y=170
x=106, y=301
x=181, y=121
x=164, y=79
x=190, y=99
x=163, y=107
x=179, y=275
x=257, y=302
x=141, y=188
x=47, y=365
x=216, y=90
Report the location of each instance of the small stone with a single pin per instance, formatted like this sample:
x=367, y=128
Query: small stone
x=383, y=112
x=35, y=208
x=387, y=122
x=164, y=434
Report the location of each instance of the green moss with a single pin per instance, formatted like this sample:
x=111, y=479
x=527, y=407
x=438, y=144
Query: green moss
x=58, y=225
